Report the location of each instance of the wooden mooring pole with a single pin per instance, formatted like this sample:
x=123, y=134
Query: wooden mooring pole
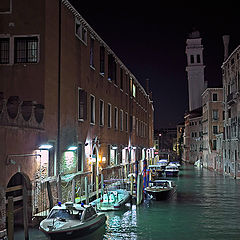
x=86, y=190
x=139, y=189
x=10, y=215
x=73, y=190
x=25, y=211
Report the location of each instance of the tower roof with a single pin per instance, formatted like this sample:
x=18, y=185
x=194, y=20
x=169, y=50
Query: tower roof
x=194, y=34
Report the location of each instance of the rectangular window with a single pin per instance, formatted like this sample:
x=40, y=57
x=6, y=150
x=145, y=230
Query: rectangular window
x=198, y=58
x=102, y=59
x=80, y=157
x=109, y=115
x=192, y=58
x=130, y=123
x=214, y=97
x=229, y=113
x=121, y=78
x=5, y=6
x=114, y=72
x=25, y=49
x=214, y=146
x=4, y=50
x=215, y=129
x=215, y=114
x=134, y=90
x=127, y=83
x=126, y=121
x=92, y=102
x=115, y=118
x=110, y=67
x=121, y=120
x=223, y=115
x=80, y=31
x=82, y=104
x=130, y=86
x=101, y=112
x=91, y=52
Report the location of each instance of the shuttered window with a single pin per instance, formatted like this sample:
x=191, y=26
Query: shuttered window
x=82, y=105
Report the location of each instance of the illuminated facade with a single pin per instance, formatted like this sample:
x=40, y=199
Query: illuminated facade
x=212, y=123
x=96, y=116
x=231, y=134
x=193, y=136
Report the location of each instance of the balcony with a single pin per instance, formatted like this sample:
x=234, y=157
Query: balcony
x=231, y=98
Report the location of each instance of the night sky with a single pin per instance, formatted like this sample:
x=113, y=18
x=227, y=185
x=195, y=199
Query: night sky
x=150, y=39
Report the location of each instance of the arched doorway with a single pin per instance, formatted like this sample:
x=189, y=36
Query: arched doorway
x=19, y=188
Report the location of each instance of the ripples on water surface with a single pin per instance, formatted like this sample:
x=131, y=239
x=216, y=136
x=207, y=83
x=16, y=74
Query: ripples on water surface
x=206, y=207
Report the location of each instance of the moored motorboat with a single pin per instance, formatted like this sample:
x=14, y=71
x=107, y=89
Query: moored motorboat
x=162, y=163
x=171, y=170
x=175, y=162
x=198, y=164
x=156, y=171
x=112, y=200
x=71, y=220
x=161, y=189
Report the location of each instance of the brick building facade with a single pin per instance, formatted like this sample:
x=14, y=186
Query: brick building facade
x=68, y=105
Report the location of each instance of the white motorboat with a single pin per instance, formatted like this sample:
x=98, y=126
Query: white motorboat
x=161, y=189
x=162, y=163
x=71, y=220
x=198, y=163
x=175, y=162
x=156, y=171
x=112, y=200
x=171, y=170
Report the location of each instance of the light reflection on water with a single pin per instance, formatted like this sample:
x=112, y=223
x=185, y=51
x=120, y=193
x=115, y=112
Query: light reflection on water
x=205, y=208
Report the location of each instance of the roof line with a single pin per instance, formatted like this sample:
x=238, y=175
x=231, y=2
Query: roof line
x=78, y=15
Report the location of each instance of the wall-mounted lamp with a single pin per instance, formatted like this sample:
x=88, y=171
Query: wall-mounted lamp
x=72, y=148
x=114, y=147
x=45, y=146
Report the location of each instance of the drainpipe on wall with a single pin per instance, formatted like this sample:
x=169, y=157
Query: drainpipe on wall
x=59, y=102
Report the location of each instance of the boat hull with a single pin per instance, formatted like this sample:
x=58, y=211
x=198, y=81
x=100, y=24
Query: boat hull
x=111, y=206
x=77, y=232
x=171, y=173
x=161, y=195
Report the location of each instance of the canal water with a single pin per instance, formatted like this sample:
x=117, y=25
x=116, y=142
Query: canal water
x=205, y=207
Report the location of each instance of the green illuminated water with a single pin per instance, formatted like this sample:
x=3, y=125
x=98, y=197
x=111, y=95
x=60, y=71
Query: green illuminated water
x=206, y=207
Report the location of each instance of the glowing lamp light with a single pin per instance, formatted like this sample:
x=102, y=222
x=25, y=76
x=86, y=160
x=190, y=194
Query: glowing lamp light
x=45, y=146
x=104, y=159
x=72, y=148
x=114, y=147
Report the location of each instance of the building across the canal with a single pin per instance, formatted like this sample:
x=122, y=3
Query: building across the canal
x=212, y=125
x=231, y=134
x=219, y=150
x=68, y=106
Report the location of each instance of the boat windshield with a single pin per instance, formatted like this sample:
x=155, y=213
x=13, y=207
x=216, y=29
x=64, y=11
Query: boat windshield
x=160, y=184
x=66, y=214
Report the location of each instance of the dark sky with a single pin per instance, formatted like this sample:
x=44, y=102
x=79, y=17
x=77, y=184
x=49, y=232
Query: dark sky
x=150, y=39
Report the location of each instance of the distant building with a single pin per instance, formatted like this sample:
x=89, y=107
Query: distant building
x=195, y=70
x=196, y=86
x=231, y=134
x=212, y=124
x=167, y=138
x=180, y=144
x=193, y=136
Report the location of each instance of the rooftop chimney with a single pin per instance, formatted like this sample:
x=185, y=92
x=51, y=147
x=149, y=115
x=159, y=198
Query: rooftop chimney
x=226, y=42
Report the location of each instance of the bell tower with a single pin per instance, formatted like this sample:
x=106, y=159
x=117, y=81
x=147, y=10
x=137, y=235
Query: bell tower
x=195, y=70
